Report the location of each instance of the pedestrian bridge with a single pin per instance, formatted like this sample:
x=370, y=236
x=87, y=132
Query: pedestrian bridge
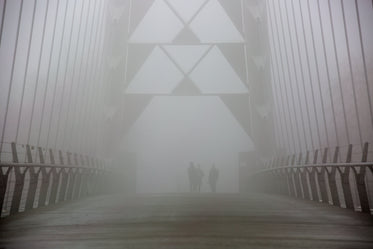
x=105, y=103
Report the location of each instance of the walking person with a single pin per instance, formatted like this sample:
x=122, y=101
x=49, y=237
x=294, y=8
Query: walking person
x=213, y=178
x=192, y=177
x=199, y=174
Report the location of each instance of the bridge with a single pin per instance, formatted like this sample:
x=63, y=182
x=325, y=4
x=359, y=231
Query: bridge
x=104, y=104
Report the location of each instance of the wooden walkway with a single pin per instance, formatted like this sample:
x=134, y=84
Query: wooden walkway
x=188, y=221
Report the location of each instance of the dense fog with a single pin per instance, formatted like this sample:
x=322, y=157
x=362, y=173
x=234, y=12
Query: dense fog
x=174, y=131
x=147, y=87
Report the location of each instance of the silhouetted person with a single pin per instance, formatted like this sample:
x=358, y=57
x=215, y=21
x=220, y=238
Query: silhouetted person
x=213, y=177
x=199, y=176
x=192, y=177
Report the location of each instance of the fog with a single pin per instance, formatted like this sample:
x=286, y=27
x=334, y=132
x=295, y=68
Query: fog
x=148, y=86
x=173, y=131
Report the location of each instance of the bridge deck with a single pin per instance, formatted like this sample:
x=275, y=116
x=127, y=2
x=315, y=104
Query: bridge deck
x=187, y=221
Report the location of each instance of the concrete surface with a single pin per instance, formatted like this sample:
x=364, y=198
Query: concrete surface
x=189, y=221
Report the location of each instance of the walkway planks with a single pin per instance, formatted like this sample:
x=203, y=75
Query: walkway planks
x=189, y=221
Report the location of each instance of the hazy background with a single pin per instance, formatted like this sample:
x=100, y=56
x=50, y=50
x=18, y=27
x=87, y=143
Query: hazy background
x=228, y=82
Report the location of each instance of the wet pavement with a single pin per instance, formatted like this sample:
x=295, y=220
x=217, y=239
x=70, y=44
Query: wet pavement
x=189, y=221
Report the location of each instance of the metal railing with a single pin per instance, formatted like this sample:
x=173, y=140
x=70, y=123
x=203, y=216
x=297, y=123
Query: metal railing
x=25, y=186
x=347, y=185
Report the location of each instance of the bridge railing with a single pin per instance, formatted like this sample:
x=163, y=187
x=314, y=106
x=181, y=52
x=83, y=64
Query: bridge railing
x=346, y=185
x=29, y=185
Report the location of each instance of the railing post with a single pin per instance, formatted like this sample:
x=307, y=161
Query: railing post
x=41, y=155
x=312, y=177
x=77, y=184
x=297, y=183
x=303, y=176
x=332, y=180
x=360, y=182
x=68, y=158
x=84, y=180
x=54, y=189
x=3, y=185
x=322, y=184
x=34, y=176
x=345, y=175
x=321, y=179
x=307, y=160
x=289, y=176
x=28, y=153
x=76, y=159
x=45, y=179
x=88, y=161
x=18, y=188
x=70, y=188
x=64, y=179
x=82, y=160
x=14, y=152
x=51, y=156
x=61, y=157
x=297, y=186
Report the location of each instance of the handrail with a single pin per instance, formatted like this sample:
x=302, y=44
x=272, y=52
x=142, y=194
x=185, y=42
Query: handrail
x=319, y=182
x=48, y=165
x=365, y=164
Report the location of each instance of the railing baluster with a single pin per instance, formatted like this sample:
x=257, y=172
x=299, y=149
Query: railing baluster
x=64, y=179
x=77, y=184
x=55, y=183
x=45, y=179
x=34, y=176
x=306, y=193
x=70, y=188
x=322, y=185
x=332, y=174
x=345, y=175
x=361, y=184
x=3, y=185
x=18, y=188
